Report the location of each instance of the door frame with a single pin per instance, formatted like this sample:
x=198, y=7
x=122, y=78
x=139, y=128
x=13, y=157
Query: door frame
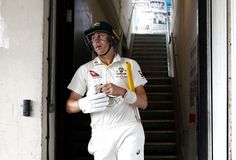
x=233, y=78
x=213, y=67
x=205, y=79
x=220, y=79
x=51, y=98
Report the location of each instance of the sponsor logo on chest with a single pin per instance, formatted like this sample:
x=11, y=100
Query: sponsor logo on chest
x=94, y=74
x=121, y=72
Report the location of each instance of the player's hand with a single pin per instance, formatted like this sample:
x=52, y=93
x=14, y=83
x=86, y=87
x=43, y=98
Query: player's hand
x=93, y=103
x=112, y=90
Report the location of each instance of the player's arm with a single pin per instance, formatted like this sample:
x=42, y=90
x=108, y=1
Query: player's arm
x=141, y=101
x=72, y=103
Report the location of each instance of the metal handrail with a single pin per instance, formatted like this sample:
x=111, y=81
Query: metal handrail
x=175, y=74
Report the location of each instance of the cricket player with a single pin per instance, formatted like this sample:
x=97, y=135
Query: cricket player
x=101, y=88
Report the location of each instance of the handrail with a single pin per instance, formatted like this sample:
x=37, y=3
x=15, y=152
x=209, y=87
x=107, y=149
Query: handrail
x=170, y=56
x=173, y=72
x=177, y=92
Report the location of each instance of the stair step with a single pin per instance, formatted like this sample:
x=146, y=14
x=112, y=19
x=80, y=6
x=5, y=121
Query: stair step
x=160, y=105
x=164, y=157
x=163, y=148
x=153, y=62
x=158, y=80
x=155, y=59
x=150, y=39
x=157, y=114
x=151, y=35
x=158, y=88
x=148, y=53
x=160, y=136
x=155, y=56
x=150, y=50
x=155, y=73
x=148, y=45
x=159, y=96
x=154, y=68
x=150, y=125
x=147, y=37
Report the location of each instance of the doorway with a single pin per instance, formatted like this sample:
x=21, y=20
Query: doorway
x=73, y=131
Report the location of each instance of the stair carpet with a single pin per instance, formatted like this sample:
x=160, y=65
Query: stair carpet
x=158, y=119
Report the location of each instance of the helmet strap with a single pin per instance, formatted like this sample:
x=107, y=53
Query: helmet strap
x=106, y=51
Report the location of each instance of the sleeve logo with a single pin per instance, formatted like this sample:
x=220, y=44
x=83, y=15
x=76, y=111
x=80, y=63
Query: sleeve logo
x=140, y=72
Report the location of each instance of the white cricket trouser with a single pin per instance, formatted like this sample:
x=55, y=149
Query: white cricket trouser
x=124, y=142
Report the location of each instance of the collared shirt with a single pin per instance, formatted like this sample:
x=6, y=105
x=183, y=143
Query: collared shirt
x=94, y=73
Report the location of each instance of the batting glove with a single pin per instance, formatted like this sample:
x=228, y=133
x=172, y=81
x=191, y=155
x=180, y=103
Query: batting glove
x=93, y=103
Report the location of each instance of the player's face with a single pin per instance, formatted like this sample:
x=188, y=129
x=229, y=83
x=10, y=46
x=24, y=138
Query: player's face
x=100, y=42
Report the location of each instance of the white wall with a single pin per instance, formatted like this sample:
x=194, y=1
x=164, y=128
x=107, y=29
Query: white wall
x=124, y=10
x=184, y=27
x=96, y=11
x=21, y=77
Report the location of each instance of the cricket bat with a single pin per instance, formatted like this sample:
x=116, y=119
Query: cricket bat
x=131, y=88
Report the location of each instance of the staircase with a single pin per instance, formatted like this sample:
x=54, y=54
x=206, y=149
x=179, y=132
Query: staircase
x=158, y=119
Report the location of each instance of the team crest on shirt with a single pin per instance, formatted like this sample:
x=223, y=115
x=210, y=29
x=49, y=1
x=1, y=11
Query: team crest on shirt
x=121, y=72
x=94, y=74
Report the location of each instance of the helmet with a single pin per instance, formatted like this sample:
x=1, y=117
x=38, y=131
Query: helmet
x=101, y=27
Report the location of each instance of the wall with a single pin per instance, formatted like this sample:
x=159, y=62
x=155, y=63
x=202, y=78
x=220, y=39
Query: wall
x=124, y=9
x=184, y=29
x=96, y=11
x=21, y=77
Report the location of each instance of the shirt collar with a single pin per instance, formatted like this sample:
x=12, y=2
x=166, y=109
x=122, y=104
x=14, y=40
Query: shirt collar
x=97, y=60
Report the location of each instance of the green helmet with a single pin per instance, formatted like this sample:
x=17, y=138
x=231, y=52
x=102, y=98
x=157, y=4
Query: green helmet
x=101, y=27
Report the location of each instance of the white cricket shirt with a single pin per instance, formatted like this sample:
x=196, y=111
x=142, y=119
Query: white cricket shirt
x=95, y=73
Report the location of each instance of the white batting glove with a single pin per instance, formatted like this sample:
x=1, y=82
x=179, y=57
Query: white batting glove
x=93, y=103
x=130, y=97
